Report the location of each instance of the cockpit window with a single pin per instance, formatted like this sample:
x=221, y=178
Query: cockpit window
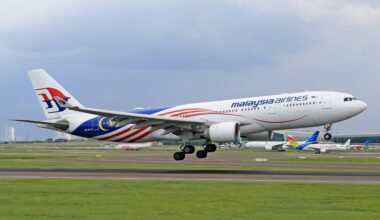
x=349, y=99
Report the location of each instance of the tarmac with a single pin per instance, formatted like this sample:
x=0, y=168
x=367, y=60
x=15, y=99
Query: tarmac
x=193, y=175
x=225, y=165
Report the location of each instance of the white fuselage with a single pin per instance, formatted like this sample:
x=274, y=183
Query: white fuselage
x=326, y=148
x=256, y=114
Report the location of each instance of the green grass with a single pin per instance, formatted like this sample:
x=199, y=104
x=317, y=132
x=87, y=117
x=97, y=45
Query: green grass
x=84, y=157
x=106, y=199
x=89, y=161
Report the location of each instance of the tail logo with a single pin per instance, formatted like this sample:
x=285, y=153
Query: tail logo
x=48, y=94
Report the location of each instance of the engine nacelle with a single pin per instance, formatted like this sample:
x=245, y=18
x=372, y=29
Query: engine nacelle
x=268, y=148
x=223, y=132
x=325, y=151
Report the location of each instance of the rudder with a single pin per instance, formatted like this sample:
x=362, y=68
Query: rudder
x=46, y=89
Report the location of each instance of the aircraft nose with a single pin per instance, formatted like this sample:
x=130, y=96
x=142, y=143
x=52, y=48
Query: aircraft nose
x=361, y=106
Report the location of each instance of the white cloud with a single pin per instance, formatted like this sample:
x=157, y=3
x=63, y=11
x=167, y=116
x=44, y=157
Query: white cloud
x=360, y=12
x=15, y=14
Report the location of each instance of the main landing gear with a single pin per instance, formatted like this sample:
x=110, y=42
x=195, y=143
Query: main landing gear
x=189, y=149
x=327, y=136
x=186, y=149
x=208, y=148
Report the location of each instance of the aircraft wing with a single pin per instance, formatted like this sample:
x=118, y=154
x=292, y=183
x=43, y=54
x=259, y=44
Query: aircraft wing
x=141, y=120
x=278, y=146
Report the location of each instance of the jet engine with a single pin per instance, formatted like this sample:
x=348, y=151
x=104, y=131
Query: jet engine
x=268, y=148
x=223, y=132
x=325, y=151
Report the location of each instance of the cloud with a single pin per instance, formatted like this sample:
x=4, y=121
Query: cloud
x=153, y=53
x=172, y=35
x=16, y=14
x=359, y=12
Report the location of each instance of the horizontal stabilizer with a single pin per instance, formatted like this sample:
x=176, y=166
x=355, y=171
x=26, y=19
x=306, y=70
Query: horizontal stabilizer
x=59, y=126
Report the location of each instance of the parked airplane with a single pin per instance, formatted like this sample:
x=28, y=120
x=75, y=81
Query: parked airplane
x=215, y=122
x=279, y=146
x=319, y=147
x=136, y=146
x=365, y=146
x=313, y=139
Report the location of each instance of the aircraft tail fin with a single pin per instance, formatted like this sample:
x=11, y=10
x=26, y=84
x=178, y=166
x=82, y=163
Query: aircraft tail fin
x=293, y=142
x=366, y=143
x=47, y=89
x=347, y=144
x=313, y=138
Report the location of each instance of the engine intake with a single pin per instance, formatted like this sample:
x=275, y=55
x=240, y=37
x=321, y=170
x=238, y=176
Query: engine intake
x=223, y=132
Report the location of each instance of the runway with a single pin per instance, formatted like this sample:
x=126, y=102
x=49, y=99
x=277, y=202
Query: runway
x=194, y=175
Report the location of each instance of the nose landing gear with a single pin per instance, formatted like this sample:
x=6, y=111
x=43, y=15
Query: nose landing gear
x=327, y=136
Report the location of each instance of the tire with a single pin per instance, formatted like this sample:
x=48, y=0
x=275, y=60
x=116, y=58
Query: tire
x=201, y=154
x=210, y=148
x=188, y=149
x=179, y=156
x=327, y=136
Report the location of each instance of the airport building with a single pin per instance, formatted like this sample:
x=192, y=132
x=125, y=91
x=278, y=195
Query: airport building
x=10, y=134
x=374, y=138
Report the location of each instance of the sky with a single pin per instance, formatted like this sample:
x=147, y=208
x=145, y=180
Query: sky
x=120, y=54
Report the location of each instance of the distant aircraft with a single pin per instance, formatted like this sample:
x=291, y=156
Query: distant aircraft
x=136, y=146
x=365, y=146
x=319, y=147
x=279, y=146
x=313, y=139
x=213, y=122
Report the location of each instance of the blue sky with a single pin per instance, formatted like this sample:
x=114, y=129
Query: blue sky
x=125, y=54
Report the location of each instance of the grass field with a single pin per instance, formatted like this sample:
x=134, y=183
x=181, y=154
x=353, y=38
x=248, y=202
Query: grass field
x=121, y=199
x=84, y=156
x=108, y=199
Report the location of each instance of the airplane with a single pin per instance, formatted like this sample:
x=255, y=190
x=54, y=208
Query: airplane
x=365, y=146
x=313, y=139
x=214, y=122
x=136, y=146
x=279, y=146
x=319, y=147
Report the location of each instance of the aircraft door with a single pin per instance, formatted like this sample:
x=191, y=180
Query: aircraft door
x=272, y=109
x=326, y=102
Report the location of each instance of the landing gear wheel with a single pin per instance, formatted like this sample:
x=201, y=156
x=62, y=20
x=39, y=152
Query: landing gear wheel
x=188, y=149
x=201, y=154
x=327, y=136
x=317, y=152
x=210, y=148
x=179, y=155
